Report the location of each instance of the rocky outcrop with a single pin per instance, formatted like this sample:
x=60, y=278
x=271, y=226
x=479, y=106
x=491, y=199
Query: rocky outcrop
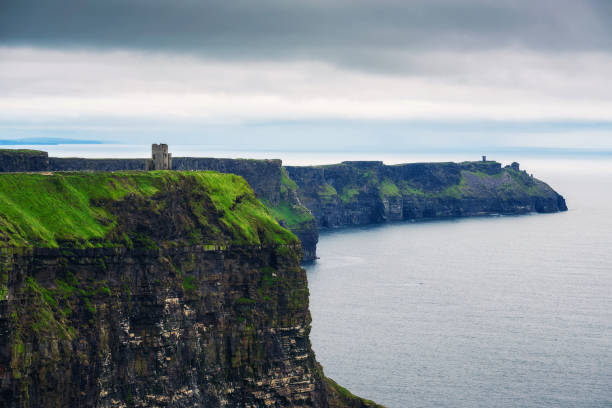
x=177, y=289
x=180, y=327
x=12, y=160
x=358, y=193
x=82, y=164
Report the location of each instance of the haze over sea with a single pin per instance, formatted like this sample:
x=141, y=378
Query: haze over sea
x=480, y=312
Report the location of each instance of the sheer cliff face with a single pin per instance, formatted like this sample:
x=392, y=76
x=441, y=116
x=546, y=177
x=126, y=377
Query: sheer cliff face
x=357, y=193
x=151, y=289
x=180, y=327
x=23, y=160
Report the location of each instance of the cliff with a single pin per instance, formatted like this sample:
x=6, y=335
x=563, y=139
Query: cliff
x=23, y=160
x=291, y=213
x=151, y=289
x=357, y=193
x=304, y=199
x=273, y=186
x=82, y=164
x=264, y=176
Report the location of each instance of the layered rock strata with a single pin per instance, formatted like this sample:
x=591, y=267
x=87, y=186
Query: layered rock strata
x=161, y=289
x=358, y=193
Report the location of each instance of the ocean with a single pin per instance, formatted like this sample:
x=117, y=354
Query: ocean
x=498, y=311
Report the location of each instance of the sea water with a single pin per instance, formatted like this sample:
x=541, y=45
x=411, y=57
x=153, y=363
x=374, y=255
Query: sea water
x=499, y=311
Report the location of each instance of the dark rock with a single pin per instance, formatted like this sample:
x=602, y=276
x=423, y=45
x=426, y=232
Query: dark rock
x=81, y=164
x=12, y=160
x=358, y=193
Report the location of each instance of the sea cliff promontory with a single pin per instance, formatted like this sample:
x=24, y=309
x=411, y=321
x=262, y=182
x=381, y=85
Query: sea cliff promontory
x=359, y=193
x=152, y=289
x=306, y=199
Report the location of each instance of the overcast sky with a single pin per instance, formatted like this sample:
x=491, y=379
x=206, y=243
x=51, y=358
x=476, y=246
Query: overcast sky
x=309, y=74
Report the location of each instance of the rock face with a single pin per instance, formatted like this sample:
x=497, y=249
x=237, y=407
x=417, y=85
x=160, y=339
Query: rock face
x=177, y=290
x=357, y=193
x=81, y=164
x=181, y=327
x=292, y=214
x=12, y=160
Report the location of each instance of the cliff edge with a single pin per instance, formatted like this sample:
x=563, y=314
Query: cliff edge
x=152, y=289
x=358, y=193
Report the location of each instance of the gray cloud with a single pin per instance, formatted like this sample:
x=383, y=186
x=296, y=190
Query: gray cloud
x=357, y=33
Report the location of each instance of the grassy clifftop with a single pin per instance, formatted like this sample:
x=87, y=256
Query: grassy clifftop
x=142, y=209
x=289, y=210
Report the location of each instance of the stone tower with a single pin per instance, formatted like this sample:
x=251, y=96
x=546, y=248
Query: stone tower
x=160, y=158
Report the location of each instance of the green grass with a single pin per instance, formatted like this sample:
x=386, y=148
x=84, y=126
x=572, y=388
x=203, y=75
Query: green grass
x=327, y=192
x=483, y=175
x=407, y=189
x=189, y=283
x=525, y=184
x=80, y=207
x=349, y=194
x=454, y=191
x=286, y=182
x=341, y=397
x=249, y=222
x=389, y=189
x=293, y=215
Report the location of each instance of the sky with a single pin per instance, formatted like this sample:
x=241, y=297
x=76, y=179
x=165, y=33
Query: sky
x=310, y=75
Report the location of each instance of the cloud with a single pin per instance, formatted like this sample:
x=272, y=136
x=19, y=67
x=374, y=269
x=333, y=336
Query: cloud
x=493, y=85
x=356, y=33
x=87, y=67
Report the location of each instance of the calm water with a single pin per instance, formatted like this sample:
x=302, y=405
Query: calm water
x=485, y=312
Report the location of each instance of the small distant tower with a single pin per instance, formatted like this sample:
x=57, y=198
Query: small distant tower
x=160, y=158
x=484, y=158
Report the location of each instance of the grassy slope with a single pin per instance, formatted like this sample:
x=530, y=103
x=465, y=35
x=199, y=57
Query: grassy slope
x=42, y=210
x=507, y=183
x=340, y=397
x=294, y=216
